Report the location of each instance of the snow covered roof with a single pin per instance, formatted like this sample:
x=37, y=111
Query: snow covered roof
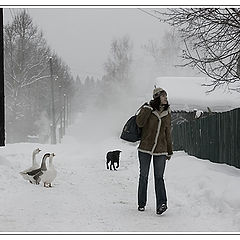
x=186, y=93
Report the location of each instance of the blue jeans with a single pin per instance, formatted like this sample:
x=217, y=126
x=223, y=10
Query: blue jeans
x=159, y=163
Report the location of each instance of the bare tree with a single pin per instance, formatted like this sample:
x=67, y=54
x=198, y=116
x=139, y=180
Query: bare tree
x=238, y=67
x=153, y=48
x=26, y=57
x=118, y=64
x=27, y=76
x=166, y=53
x=212, y=40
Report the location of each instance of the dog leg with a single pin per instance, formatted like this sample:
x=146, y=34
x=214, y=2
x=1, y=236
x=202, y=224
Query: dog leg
x=107, y=165
x=117, y=165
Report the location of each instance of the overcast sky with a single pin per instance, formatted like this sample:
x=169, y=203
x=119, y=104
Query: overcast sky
x=82, y=36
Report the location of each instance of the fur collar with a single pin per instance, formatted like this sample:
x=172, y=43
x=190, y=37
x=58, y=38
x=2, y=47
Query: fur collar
x=162, y=114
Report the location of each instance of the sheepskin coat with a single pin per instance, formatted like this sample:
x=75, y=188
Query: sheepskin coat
x=156, y=131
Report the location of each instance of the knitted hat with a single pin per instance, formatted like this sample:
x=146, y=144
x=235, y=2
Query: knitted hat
x=157, y=92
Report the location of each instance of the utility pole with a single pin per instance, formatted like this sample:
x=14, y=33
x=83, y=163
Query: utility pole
x=67, y=111
x=53, y=125
x=64, y=113
x=60, y=112
x=2, y=112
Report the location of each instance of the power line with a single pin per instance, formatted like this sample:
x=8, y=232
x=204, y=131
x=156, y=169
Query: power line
x=148, y=13
x=11, y=13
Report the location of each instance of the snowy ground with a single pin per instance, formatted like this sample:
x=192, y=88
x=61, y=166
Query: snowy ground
x=86, y=197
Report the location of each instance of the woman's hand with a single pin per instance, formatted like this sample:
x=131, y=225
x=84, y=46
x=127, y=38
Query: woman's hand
x=168, y=157
x=155, y=103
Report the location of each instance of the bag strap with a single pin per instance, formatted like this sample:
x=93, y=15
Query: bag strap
x=140, y=108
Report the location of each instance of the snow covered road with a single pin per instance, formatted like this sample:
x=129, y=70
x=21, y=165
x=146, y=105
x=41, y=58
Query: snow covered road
x=86, y=197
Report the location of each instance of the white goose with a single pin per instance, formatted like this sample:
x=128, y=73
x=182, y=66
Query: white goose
x=35, y=174
x=51, y=173
x=34, y=166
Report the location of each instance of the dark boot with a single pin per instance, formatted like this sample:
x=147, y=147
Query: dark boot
x=141, y=209
x=162, y=209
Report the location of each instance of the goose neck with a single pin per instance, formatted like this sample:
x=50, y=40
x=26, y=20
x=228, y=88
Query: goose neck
x=43, y=165
x=34, y=158
x=51, y=161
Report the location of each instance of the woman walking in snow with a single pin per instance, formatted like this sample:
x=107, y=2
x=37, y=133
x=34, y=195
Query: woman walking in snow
x=155, y=120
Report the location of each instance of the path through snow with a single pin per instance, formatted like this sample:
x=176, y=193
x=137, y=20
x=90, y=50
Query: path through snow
x=86, y=197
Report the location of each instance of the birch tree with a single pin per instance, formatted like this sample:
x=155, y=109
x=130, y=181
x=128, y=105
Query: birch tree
x=26, y=56
x=27, y=76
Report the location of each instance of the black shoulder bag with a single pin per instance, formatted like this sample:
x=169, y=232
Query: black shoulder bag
x=131, y=132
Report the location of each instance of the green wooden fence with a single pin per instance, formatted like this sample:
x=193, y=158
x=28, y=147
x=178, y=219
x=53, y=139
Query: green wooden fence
x=215, y=137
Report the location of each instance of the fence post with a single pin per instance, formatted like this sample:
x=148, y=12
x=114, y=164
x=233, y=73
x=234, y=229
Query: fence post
x=215, y=137
x=237, y=146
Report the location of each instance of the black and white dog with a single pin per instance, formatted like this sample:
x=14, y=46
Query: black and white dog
x=113, y=157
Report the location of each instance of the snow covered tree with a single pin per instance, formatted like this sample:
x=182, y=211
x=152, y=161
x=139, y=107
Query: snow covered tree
x=27, y=76
x=212, y=40
x=26, y=56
